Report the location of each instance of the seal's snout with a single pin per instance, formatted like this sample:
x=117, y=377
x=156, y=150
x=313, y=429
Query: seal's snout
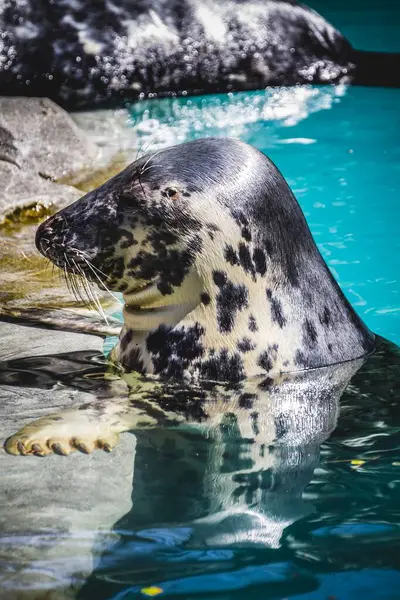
x=43, y=237
x=50, y=240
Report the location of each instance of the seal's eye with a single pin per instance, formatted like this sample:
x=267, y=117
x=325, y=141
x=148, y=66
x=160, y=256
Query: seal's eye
x=172, y=192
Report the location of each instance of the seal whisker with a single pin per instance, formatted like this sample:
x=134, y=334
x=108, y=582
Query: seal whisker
x=91, y=266
x=90, y=291
x=75, y=283
x=64, y=275
x=142, y=170
x=148, y=168
x=100, y=281
x=46, y=250
x=143, y=146
x=81, y=282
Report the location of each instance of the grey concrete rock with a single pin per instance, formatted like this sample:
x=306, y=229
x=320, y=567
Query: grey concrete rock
x=110, y=130
x=56, y=513
x=39, y=143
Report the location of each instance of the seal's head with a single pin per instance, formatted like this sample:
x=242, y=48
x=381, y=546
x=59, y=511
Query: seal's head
x=218, y=269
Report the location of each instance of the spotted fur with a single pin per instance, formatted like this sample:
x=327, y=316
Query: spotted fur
x=255, y=297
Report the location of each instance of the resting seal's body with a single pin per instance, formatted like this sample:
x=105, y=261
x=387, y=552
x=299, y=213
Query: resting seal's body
x=236, y=346
x=220, y=275
x=222, y=282
x=82, y=53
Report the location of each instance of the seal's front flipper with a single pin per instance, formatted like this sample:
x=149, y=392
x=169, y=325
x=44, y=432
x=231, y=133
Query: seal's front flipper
x=90, y=427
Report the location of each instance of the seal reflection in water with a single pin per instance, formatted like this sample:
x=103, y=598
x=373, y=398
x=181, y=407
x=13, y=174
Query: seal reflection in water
x=233, y=325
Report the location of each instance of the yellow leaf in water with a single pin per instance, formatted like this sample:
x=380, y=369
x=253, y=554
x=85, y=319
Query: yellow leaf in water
x=153, y=590
x=357, y=462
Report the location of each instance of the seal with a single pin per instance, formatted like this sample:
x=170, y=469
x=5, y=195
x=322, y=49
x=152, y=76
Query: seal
x=116, y=51
x=222, y=282
x=219, y=272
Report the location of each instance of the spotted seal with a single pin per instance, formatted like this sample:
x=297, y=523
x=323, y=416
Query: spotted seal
x=115, y=51
x=221, y=278
x=218, y=269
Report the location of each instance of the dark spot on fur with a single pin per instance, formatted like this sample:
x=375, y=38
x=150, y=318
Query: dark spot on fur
x=168, y=264
x=161, y=238
x=129, y=239
x=325, y=317
x=219, y=278
x=132, y=360
x=281, y=427
x=230, y=255
x=259, y=261
x=264, y=361
x=173, y=350
x=246, y=234
x=252, y=324
x=266, y=384
x=223, y=366
x=165, y=288
x=309, y=333
x=186, y=194
x=240, y=217
x=276, y=310
x=211, y=229
x=245, y=259
x=254, y=423
x=230, y=299
x=301, y=360
x=114, y=268
x=246, y=400
x=273, y=350
x=126, y=340
x=245, y=345
x=205, y=298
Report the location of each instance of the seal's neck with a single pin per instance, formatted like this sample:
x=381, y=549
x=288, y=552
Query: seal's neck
x=226, y=323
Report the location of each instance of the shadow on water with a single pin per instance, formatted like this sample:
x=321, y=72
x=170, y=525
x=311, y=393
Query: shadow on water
x=261, y=486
